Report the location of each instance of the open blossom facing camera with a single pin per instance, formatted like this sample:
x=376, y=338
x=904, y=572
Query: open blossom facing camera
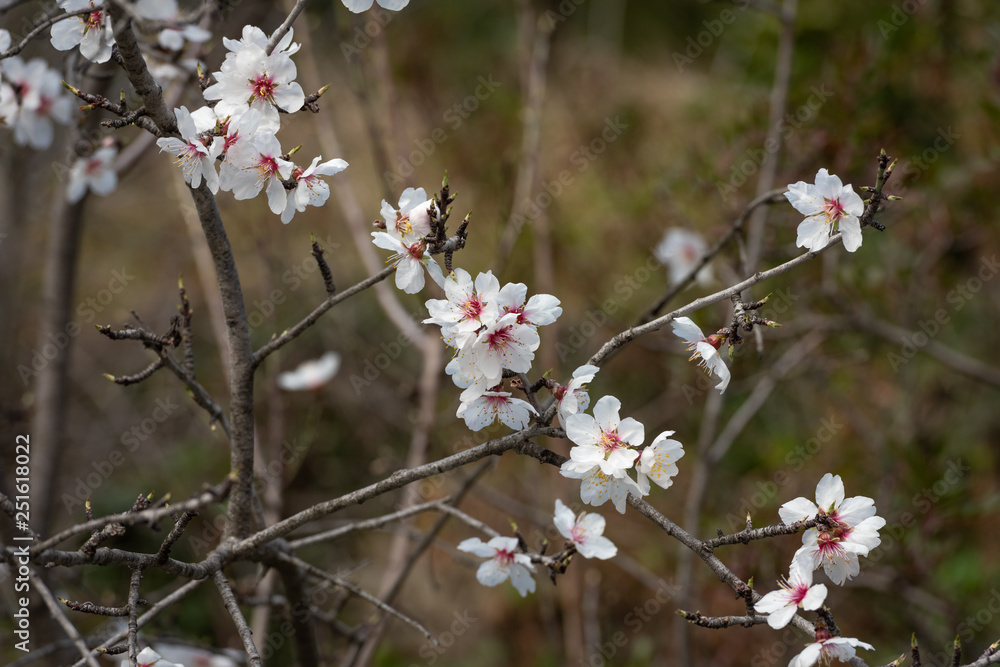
x=504, y=562
x=585, y=532
x=249, y=78
x=851, y=529
x=826, y=649
x=796, y=591
x=704, y=347
x=311, y=375
x=826, y=204
x=680, y=251
x=95, y=173
x=605, y=440
x=91, y=32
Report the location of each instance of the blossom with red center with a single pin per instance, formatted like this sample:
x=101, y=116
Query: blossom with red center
x=95, y=173
x=681, y=251
x=539, y=310
x=573, y=397
x=796, y=591
x=605, y=440
x=91, y=32
x=310, y=189
x=503, y=344
x=494, y=405
x=254, y=163
x=826, y=649
x=705, y=348
x=195, y=159
x=849, y=529
x=584, y=532
x=827, y=205
x=410, y=260
x=504, y=562
x=36, y=97
x=251, y=79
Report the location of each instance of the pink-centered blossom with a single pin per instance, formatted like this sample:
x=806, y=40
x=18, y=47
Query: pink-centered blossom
x=605, y=439
x=503, y=562
x=585, y=532
x=410, y=259
x=194, y=157
x=827, y=204
x=850, y=529
x=36, y=98
x=412, y=221
x=573, y=398
x=704, y=348
x=492, y=406
x=681, y=251
x=310, y=189
x=249, y=78
x=504, y=344
x=91, y=32
x=795, y=592
x=467, y=307
x=94, y=172
x=826, y=649
x=254, y=164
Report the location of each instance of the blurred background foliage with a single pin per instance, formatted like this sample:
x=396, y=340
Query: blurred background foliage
x=919, y=79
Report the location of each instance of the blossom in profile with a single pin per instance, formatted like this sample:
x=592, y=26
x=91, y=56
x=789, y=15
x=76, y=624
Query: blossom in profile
x=826, y=649
x=573, y=397
x=91, y=32
x=849, y=529
x=826, y=204
x=658, y=462
x=796, y=591
x=704, y=348
x=585, y=532
x=95, y=173
x=195, y=159
x=311, y=375
x=358, y=6
x=310, y=189
x=681, y=251
x=410, y=259
x=503, y=562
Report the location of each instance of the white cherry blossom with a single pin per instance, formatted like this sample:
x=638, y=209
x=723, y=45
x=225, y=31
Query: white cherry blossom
x=496, y=405
x=796, y=591
x=410, y=259
x=854, y=530
x=254, y=162
x=826, y=204
x=251, y=79
x=658, y=462
x=705, y=348
x=195, y=159
x=585, y=532
x=540, y=309
x=826, y=648
x=412, y=221
x=468, y=305
x=36, y=98
x=573, y=398
x=502, y=344
x=310, y=189
x=680, y=251
x=171, y=38
x=605, y=439
x=95, y=173
x=91, y=32
x=503, y=562
x=311, y=375
x=597, y=488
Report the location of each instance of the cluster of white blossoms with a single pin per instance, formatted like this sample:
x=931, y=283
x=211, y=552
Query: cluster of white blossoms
x=607, y=447
x=849, y=529
x=584, y=535
x=251, y=89
x=31, y=99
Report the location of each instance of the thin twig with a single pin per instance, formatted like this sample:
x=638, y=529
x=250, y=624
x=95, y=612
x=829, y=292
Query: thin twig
x=59, y=614
x=133, y=616
x=241, y=623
